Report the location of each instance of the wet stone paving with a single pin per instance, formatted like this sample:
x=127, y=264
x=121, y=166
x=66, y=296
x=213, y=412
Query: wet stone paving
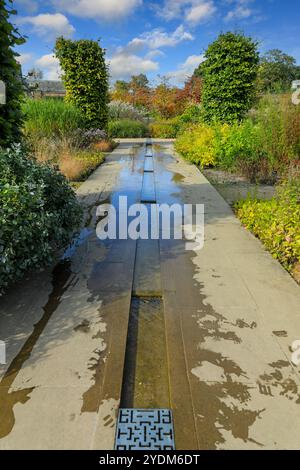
x=145, y=344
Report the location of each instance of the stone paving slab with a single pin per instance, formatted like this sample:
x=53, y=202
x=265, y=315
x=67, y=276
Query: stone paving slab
x=222, y=306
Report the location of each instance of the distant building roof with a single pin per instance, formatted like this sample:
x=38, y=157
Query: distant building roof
x=47, y=86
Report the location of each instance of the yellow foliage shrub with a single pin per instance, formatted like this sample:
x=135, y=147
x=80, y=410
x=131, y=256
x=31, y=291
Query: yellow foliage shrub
x=199, y=144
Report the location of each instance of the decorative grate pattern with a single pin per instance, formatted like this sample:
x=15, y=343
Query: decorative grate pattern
x=145, y=430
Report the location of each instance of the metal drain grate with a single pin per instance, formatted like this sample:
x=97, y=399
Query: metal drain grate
x=145, y=430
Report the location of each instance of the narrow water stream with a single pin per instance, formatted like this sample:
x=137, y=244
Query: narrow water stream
x=145, y=379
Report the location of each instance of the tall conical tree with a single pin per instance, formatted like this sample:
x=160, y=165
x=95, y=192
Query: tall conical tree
x=229, y=76
x=10, y=74
x=85, y=75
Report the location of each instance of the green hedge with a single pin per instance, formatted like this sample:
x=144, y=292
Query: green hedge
x=127, y=128
x=39, y=213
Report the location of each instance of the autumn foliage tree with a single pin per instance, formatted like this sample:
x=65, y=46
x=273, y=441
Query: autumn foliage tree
x=191, y=93
x=139, y=89
x=136, y=92
x=165, y=100
x=120, y=92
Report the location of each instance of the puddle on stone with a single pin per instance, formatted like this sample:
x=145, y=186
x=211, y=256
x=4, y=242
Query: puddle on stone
x=178, y=178
x=91, y=398
x=280, y=334
x=84, y=234
x=84, y=327
x=62, y=279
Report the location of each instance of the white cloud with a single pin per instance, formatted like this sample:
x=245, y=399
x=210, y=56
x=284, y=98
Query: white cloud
x=193, y=11
x=172, y=9
x=123, y=65
x=159, y=38
x=49, y=25
x=154, y=53
x=24, y=58
x=50, y=66
x=126, y=61
x=200, y=13
x=99, y=9
x=186, y=69
x=241, y=10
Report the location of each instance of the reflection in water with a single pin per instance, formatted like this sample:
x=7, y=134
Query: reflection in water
x=145, y=379
x=178, y=178
x=84, y=234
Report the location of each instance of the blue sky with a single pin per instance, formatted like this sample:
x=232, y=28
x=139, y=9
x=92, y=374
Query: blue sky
x=156, y=37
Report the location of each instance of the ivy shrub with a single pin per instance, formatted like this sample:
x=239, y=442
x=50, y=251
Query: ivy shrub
x=10, y=74
x=85, y=77
x=39, y=213
x=276, y=222
x=229, y=74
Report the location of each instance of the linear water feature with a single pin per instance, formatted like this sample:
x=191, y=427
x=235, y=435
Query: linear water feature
x=146, y=377
x=149, y=165
x=145, y=381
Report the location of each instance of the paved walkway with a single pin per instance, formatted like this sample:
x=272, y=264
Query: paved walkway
x=230, y=315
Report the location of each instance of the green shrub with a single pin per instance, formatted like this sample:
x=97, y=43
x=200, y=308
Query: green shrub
x=239, y=150
x=276, y=222
x=266, y=144
x=126, y=128
x=229, y=77
x=165, y=129
x=85, y=75
x=39, y=213
x=51, y=117
x=279, y=127
x=263, y=146
x=191, y=115
x=171, y=128
x=10, y=74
